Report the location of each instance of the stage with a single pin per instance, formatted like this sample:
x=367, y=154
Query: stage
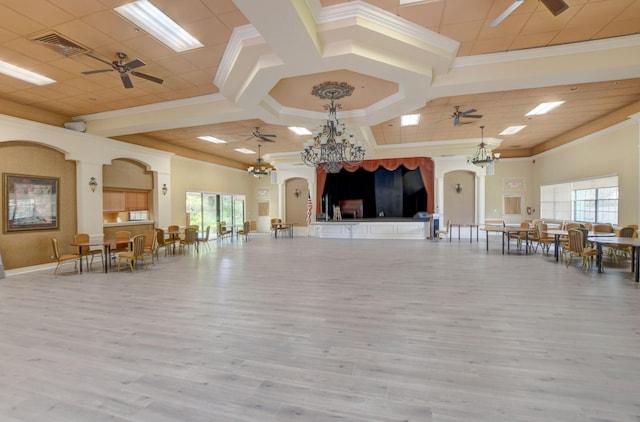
x=373, y=228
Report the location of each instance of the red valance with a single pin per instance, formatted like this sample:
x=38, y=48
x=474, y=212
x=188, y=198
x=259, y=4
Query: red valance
x=425, y=165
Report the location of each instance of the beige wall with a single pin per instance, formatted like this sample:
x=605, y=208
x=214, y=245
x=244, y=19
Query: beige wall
x=296, y=206
x=191, y=175
x=26, y=248
x=460, y=207
x=612, y=152
x=519, y=169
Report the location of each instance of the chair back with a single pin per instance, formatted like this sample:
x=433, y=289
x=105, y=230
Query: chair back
x=160, y=237
x=206, y=234
x=542, y=228
x=603, y=228
x=56, y=251
x=571, y=226
x=150, y=239
x=190, y=235
x=246, y=227
x=627, y=232
x=138, y=244
x=576, y=240
x=80, y=238
x=221, y=227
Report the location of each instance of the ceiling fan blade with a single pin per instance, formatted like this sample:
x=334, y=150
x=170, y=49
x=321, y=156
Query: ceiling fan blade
x=472, y=116
x=266, y=139
x=91, y=72
x=134, y=64
x=456, y=120
x=147, y=77
x=555, y=6
x=99, y=59
x=126, y=80
x=509, y=10
x=473, y=110
x=268, y=135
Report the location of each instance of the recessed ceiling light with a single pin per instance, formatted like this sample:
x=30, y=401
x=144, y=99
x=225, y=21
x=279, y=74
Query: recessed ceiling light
x=409, y=119
x=245, y=151
x=299, y=130
x=212, y=139
x=148, y=17
x=511, y=130
x=544, y=108
x=24, y=74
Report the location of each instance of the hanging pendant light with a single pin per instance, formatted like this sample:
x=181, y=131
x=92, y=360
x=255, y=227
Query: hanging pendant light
x=483, y=156
x=260, y=168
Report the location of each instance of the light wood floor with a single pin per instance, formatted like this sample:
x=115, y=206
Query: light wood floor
x=310, y=329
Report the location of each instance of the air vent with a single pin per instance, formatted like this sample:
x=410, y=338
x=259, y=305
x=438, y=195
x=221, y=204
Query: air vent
x=61, y=44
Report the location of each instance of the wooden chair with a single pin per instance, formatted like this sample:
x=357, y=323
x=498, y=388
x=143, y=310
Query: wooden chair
x=190, y=239
x=544, y=240
x=86, y=251
x=122, y=239
x=222, y=230
x=163, y=242
x=444, y=231
x=135, y=255
x=615, y=250
x=62, y=258
x=151, y=244
x=174, y=233
x=276, y=224
x=577, y=248
x=205, y=239
x=246, y=228
x=603, y=228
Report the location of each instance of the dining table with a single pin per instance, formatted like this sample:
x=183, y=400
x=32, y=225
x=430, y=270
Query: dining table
x=509, y=230
x=106, y=245
x=282, y=226
x=558, y=233
x=632, y=242
x=460, y=226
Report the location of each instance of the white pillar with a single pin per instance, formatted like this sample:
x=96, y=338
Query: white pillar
x=89, y=212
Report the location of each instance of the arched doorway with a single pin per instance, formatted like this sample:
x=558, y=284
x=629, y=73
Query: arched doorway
x=459, y=194
x=296, y=191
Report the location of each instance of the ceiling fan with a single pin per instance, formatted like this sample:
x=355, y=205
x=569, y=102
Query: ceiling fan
x=264, y=136
x=457, y=115
x=124, y=69
x=555, y=7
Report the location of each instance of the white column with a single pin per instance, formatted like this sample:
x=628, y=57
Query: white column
x=89, y=202
x=480, y=197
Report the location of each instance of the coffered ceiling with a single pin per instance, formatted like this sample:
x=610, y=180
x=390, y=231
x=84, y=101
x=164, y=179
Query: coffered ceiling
x=260, y=61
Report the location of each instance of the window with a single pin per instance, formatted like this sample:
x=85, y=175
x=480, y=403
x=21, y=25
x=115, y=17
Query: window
x=206, y=209
x=590, y=200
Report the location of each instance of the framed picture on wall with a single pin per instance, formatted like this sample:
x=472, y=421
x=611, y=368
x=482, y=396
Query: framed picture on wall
x=30, y=202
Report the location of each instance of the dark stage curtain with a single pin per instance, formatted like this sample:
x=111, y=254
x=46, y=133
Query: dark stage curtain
x=425, y=165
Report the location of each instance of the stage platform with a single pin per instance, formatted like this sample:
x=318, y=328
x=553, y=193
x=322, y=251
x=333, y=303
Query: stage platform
x=373, y=228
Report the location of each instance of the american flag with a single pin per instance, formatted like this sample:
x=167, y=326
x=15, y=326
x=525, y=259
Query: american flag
x=309, y=207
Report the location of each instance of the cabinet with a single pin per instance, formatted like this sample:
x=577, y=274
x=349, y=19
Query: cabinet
x=136, y=201
x=113, y=201
x=120, y=201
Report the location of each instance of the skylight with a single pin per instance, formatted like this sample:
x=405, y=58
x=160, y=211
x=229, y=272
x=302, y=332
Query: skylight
x=24, y=74
x=512, y=130
x=300, y=130
x=212, y=139
x=544, y=108
x=409, y=119
x=148, y=17
x=245, y=151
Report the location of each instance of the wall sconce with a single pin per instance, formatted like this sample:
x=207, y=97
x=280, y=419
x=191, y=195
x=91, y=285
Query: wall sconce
x=165, y=189
x=297, y=192
x=458, y=188
x=93, y=184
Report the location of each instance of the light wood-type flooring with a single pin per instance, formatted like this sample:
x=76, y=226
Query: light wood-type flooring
x=309, y=329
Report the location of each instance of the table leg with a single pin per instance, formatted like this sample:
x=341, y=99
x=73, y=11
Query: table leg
x=636, y=250
x=503, y=233
x=556, y=246
x=599, y=257
x=107, y=257
x=487, y=234
x=526, y=243
x=470, y=234
x=459, y=228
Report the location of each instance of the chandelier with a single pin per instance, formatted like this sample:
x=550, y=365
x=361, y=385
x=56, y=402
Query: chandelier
x=333, y=144
x=483, y=156
x=260, y=168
